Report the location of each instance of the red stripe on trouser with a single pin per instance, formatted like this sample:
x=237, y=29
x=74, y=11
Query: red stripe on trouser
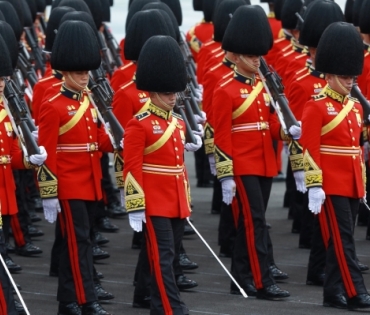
x=249, y=233
x=157, y=267
x=62, y=224
x=73, y=253
x=235, y=209
x=17, y=231
x=339, y=252
x=3, y=305
x=324, y=228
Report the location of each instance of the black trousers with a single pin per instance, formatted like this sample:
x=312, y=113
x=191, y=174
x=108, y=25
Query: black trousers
x=76, y=261
x=164, y=240
x=7, y=306
x=202, y=169
x=342, y=272
x=251, y=258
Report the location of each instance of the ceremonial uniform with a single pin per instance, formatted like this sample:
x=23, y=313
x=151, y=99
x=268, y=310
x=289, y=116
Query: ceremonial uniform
x=122, y=75
x=197, y=35
x=206, y=51
x=275, y=25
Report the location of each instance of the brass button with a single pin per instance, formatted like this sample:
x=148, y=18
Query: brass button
x=178, y=165
x=1, y=141
x=176, y=149
x=353, y=157
x=4, y=166
x=260, y=109
x=177, y=157
x=92, y=154
x=88, y=127
x=353, y=138
x=263, y=133
x=349, y=121
x=258, y=102
x=351, y=130
x=261, y=118
x=90, y=137
x=177, y=176
x=87, y=118
x=174, y=139
x=2, y=149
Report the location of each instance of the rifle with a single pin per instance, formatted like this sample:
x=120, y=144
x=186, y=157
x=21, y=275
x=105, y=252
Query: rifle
x=184, y=108
x=22, y=118
x=100, y=79
x=25, y=66
x=356, y=92
x=103, y=103
x=274, y=87
x=107, y=64
x=36, y=51
x=113, y=46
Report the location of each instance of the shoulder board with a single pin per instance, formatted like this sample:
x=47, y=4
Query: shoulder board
x=303, y=76
x=209, y=43
x=300, y=56
x=142, y=115
x=227, y=75
x=126, y=66
x=54, y=97
x=58, y=83
x=177, y=115
x=126, y=85
x=354, y=99
x=318, y=97
x=228, y=81
x=279, y=40
x=46, y=79
x=216, y=67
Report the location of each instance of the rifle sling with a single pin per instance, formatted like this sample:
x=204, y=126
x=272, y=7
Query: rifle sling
x=338, y=119
x=163, y=139
x=248, y=102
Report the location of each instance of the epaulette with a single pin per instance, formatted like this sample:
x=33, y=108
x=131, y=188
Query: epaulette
x=216, y=67
x=54, y=97
x=353, y=99
x=126, y=66
x=303, y=76
x=126, y=85
x=142, y=115
x=178, y=116
x=46, y=79
x=228, y=81
x=209, y=43
x=318, y=97
x=227, y=75
x=279, y=40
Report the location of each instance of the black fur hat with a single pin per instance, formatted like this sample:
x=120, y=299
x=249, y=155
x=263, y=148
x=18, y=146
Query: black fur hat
x=11, y=18
x=78, y=5
x=222, y=17
x=105, y=6
x=6, y=69
x=249, y=32
x=8, y=35
x=55, y=4
x=348, y=9
x=2, y=18
x=136, y=6
x=278, y=7
x=319, y=15
x=340, y=50
x=161, y=67
x=288, y=18
x=364, y=21
x=33, y=8
x=175, y=6
x=75, y=48
x=40, y=6
x=166, y=8
x=79, y=16
x=49, y=2
x=111, y=3
x=208, y=8
x=27, y=14
x=143, y=25
x=96, y=10
x=197, y=5
x=53, y=24
x=356, y=11
x=18, y=7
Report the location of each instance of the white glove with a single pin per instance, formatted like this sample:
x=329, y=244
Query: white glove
x=212, y=164
x=365, y=149
x=199, y=119
x=316, y=197
x=121, y=144
x=136, y=220
x=51, y=208
x=122, y=194
x=194, y=147
x=299, y=181
x=39, y=159
x=199, y=94
x=228, y=190
x=296, y=131
x=200, y=133
x=35, y=134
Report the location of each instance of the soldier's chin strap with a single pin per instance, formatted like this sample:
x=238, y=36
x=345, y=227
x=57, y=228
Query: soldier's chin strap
x=341, y=85
x=74, y=82
x=246, y=62
x=169, y=107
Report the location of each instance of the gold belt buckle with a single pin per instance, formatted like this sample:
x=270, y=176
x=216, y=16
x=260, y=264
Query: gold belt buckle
x=92, y=147
x=4, y=159
x=263, y=125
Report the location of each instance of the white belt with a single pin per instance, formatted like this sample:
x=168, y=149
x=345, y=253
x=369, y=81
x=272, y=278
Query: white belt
x=263, y=125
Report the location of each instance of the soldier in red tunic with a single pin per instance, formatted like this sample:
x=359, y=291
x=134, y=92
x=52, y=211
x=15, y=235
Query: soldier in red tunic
x=332, y=125
x=154, y=147
x=244, y=126
x=70, y=129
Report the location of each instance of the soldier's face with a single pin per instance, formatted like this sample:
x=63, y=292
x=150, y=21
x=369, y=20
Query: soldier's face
x=76, y=80
x=2, y=85
x=340, y=84
x=247, y=63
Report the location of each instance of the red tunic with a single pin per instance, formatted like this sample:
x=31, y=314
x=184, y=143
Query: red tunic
x=338, y=173
x=155, y=180
x=208, y=49
x=200, y=33
x=279, y=45
x=298, y=63
x=39, y=90
x=212, y=61
x=123, y=75
x=122, y=51
x=275, y=25
x=11, y=157
x=243, y=138
x=73, y=162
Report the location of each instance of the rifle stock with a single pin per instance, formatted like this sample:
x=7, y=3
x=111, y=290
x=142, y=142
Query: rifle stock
x=27, y=69
x=105, y=57
x=181, y=108
x=36, y=51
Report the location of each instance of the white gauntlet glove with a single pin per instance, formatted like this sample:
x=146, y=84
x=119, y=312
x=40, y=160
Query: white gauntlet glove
x=136, y=220
x=295, y=131
x=200, y=133
x=199, y=119
x=121, y=144
x=316, y=197
x=228, y=190
x=51, y=208
x=299, y=181
x=35, y=134
x=194, y=147
x=122, y=194
x=212, y=164
x=39, y=159
x=199, y=93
